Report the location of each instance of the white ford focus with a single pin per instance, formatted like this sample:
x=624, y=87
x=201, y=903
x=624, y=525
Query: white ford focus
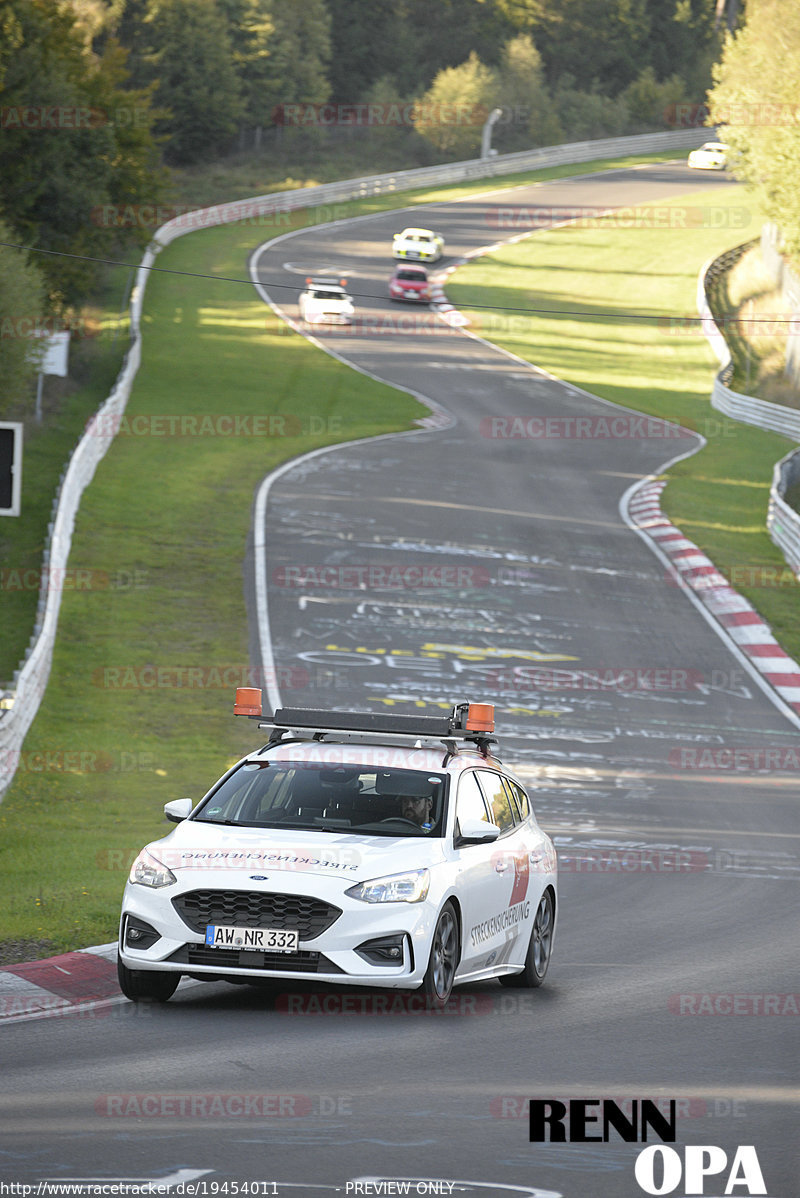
x=325, y=302
x=341, y=852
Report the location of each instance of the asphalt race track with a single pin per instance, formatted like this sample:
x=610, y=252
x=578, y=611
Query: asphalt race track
x=458, y=562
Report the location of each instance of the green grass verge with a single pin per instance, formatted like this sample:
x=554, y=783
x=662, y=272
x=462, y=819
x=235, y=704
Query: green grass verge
x=162, y=530
x=161, y=536
x=95, y=362
x=246, y=176
x=589, y=335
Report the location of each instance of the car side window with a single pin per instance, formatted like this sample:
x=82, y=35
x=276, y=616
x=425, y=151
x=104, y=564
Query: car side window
x=518, y=794
x=470, y=805
x=499, y=800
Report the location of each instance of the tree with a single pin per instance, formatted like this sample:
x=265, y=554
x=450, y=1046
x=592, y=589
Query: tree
x=366, y=41
x=64, y=156
x=754, y=104
x=190, y=63
x=22, y=305
x=529, y=115
x=650, y=103
x=296, y=70
x=251, y=30
x=585, y=115
x=601, y=42
x=683, y=41
x=452, y=112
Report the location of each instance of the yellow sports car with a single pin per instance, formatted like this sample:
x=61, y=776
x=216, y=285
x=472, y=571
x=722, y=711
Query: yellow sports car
x=419, y=245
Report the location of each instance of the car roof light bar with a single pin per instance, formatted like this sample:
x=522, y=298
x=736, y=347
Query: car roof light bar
x=473, y=720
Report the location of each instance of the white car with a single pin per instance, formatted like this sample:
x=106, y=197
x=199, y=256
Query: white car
x=325, y=302
x=353, y=849
x=419, y=245
x=713, y=156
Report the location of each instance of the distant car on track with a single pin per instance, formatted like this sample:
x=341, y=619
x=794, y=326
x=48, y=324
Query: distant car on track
x=325, y=302
x=421, y=245
x=361, y=849
x=713, y=156
x=410, y=283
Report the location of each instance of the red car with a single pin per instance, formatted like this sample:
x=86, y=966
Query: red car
x=410, y=283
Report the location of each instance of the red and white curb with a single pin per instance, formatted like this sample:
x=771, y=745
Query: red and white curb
x=729, y=611
x=439, y=301
x=63, y=985
x=692, y=569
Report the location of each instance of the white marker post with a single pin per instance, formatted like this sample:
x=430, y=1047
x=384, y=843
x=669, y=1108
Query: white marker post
x=54, y=361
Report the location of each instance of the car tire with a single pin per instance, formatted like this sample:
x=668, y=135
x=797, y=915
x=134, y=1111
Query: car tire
x=442, y=963
x=541, y=942
x=146, y=985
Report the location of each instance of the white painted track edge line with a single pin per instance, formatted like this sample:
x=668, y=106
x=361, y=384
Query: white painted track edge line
x=758, y=678
x=263, y=627
x=761, y=682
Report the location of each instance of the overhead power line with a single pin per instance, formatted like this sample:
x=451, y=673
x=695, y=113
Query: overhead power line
x=587, y=315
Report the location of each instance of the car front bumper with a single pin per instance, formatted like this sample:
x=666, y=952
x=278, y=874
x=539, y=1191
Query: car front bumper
x=331, y=956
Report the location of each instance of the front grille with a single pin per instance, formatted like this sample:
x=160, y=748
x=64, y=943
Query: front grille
x=255, y=909
x=231, y=958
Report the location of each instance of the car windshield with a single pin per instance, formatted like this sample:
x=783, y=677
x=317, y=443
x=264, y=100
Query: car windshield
x=418, y=236
x=413, y=276
x=318, y=798
x=328, y=295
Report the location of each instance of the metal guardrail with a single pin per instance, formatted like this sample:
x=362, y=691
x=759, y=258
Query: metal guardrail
x=30, y=680
x=783, y=522
x=773, y=417
x=449, y=172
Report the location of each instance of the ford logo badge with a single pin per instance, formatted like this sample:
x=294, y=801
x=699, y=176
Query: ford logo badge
x=258, y=878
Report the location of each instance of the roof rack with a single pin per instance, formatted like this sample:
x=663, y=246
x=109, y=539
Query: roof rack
x=468, y=721
x=333, y=284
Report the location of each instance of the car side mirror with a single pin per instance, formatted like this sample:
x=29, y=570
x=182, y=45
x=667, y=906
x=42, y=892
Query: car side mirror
x=477, y=831
x=178, y=810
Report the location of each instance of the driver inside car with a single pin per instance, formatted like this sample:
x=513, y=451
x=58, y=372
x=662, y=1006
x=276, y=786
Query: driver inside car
x=417, y=809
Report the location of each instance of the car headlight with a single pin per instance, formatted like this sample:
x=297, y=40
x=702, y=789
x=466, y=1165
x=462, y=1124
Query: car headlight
x=147, y=870
x=396, y=888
